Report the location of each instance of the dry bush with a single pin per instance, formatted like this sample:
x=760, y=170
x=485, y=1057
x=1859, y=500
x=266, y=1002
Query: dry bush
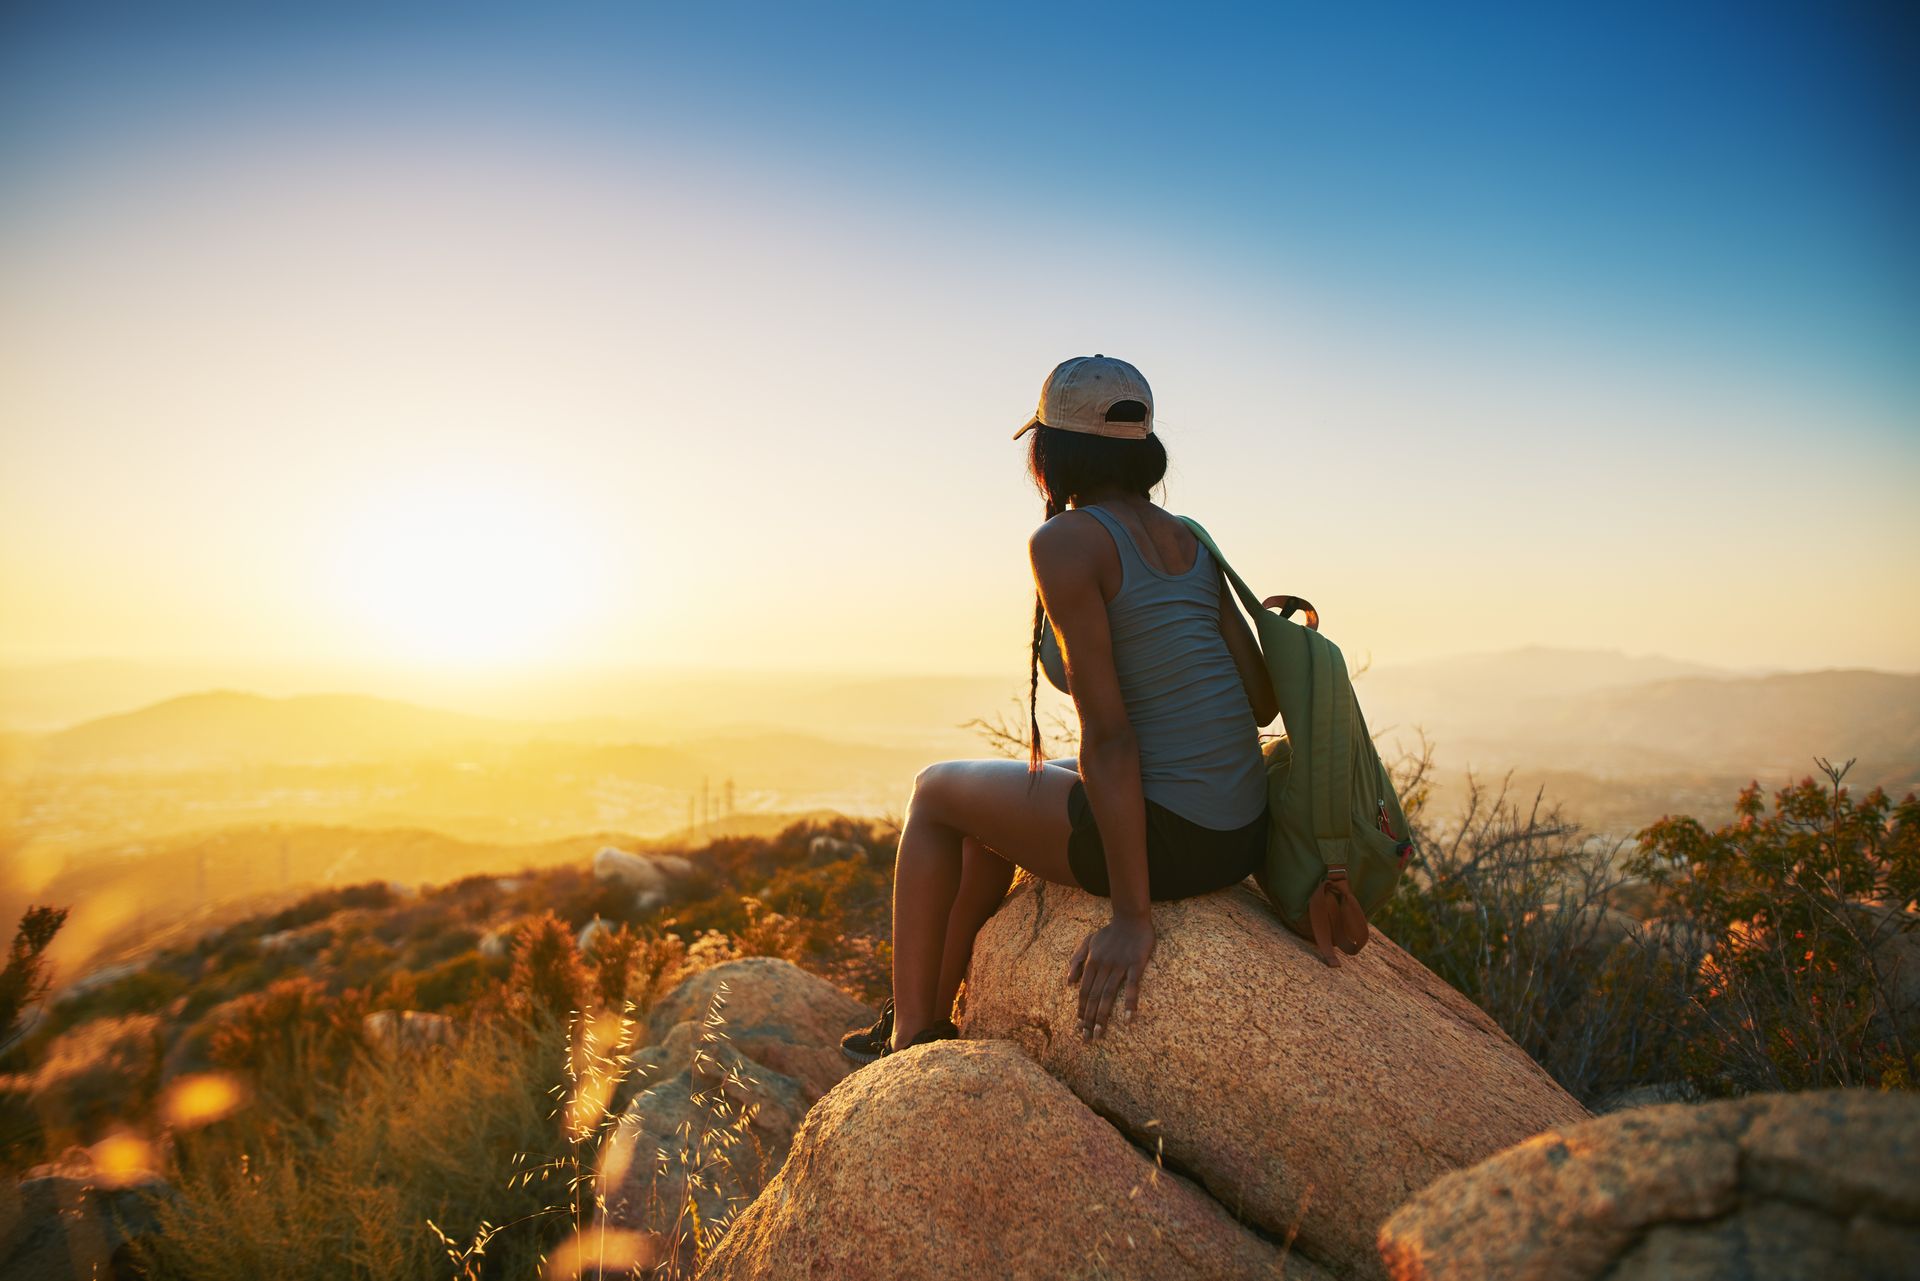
x=289, y=1041
x=1512, y=905
x=548, y=982
x=93, y=1076
x=348, y=1193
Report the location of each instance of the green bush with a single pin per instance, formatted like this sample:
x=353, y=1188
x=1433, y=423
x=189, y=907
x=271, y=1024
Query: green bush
x=1813, y=977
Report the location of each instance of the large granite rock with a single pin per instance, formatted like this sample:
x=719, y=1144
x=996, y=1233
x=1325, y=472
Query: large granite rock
x=1767, y=1188
x=963, y=1159
x=1304, y=1098
x=709, y=1108
x=71, y=1220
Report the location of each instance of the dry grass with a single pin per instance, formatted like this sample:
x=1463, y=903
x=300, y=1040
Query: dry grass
x=492, y=1157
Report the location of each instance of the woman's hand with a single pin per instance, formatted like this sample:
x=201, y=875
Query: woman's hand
x=1108, y=963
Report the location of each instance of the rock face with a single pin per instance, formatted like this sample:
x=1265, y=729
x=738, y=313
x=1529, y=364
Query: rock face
x=1304, y=1098
x=406, y=1030
x=721, y=1101
x=70, y=1219
x=1772, y=1186
x=635, y=871
x=965, y=1159
x=653, y=880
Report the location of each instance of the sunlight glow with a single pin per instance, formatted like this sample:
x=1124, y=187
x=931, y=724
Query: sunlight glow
x=467, y=570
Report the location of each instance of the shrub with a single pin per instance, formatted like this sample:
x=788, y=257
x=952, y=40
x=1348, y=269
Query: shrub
x=1809, y=915
x=547, y=982
x=290, y=1042
x=24, y=978
x=1513, y=906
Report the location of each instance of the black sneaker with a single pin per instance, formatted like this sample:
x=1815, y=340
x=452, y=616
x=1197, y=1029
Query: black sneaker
x=869, y=1043
x=938, y=1030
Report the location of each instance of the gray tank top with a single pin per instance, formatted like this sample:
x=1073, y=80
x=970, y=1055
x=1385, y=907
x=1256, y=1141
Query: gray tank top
x=1199, y=745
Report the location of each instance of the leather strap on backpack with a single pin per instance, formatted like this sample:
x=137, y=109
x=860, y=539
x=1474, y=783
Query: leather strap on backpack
x=1336, y=917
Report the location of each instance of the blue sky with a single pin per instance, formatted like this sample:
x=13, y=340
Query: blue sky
x=1748, y=168
x=1706, y=210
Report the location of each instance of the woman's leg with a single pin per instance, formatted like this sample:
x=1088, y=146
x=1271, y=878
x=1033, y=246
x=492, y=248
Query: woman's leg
x=984, y=878
x=1022, y=818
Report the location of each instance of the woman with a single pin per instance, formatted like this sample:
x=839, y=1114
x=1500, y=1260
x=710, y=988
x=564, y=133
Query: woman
x=1168, y=796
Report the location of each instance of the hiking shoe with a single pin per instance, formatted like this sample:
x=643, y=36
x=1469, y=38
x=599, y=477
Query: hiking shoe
x=938, y=1030
x=869, y=1043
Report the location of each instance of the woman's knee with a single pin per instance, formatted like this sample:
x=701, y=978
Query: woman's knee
x=932, y=787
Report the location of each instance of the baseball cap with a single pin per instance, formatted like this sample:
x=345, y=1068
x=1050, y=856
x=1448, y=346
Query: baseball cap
x=1079, y=392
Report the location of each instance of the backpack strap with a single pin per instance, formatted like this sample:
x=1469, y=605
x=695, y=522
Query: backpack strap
x=1330, y=750
x=1245, y=592
x=1285, y=604
x=1335, y=917
x=1329, y=731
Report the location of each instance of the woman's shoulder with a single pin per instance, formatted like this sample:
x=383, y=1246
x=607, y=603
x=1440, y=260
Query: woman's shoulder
x=1072, y=527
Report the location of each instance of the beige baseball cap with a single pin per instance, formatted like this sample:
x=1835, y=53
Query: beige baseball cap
x=1079, y=392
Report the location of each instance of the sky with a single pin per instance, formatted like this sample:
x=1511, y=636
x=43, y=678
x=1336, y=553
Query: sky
x=557, y=336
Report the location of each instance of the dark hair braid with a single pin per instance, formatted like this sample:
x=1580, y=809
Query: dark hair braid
x=1036, y=756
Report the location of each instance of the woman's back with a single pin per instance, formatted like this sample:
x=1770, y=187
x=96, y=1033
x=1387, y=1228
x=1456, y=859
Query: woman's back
x=1199, y=744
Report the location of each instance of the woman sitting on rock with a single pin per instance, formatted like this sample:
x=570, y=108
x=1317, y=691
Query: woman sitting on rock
x=1168, y=797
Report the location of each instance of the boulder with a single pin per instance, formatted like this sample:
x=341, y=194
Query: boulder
x=634, y=871
x=497, y=943
x=74, y=1219
x=964, y=1159
x=832, y=847
x=776, y=1014
x=591, y=933
x=1305, y=1098
x=714, y=1104
x=1770, y=1186
x=406, y=1030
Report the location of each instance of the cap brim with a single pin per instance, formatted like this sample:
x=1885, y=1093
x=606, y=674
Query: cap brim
x=1031, y=424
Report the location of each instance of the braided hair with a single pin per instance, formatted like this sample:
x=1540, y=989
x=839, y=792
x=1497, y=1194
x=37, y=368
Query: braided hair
x=1064, y=464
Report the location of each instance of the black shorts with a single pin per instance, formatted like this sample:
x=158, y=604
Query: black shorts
x=1183, y=858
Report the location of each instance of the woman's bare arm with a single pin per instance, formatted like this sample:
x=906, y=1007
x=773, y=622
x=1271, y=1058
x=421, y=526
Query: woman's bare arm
x=1110, y=961
x=1063, y=567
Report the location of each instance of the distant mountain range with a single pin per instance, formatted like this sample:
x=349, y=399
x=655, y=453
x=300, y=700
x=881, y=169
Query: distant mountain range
x=1595, y=712
x=1609, y=713
x=198, y=796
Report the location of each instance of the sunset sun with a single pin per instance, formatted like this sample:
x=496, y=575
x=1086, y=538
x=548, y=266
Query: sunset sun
x=456, y=571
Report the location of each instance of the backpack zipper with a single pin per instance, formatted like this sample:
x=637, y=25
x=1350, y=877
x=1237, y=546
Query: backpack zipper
x=1402, y=846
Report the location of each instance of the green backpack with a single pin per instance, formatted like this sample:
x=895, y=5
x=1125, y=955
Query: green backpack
x=1339, y=840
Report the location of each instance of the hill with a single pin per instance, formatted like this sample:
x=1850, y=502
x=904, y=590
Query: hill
x=229, y=728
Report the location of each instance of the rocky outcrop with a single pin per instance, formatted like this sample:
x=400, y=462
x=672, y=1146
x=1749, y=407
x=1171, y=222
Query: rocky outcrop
x=829, y=847
x=73, y=1219
x=653, y=880
x=1304, y=1098
x=401, y=1031
x=1771, y=1186
x=965, y=1159
x=717, y=1102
